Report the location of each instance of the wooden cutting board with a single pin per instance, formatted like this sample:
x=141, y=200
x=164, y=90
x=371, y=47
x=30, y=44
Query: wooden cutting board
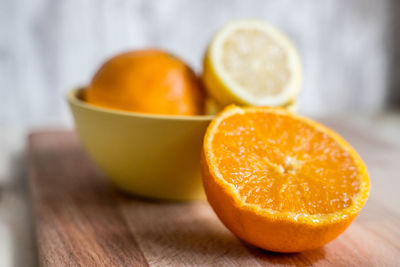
x=81, y=220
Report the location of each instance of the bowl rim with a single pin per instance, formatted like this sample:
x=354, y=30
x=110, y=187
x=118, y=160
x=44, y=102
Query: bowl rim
x=73, y=99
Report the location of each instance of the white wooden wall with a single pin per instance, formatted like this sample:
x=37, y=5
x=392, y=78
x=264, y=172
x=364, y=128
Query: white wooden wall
x=50, y=46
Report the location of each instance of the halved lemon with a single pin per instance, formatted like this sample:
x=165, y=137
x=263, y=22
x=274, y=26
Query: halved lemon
x=249, y=62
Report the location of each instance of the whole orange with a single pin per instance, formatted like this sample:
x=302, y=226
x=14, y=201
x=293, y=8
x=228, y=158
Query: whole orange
x=149, y=81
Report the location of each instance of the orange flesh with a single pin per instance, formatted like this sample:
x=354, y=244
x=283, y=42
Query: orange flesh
x=284, y=164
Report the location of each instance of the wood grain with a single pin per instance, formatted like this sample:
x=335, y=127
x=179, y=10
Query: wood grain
x=81, y=220
x=77, y=222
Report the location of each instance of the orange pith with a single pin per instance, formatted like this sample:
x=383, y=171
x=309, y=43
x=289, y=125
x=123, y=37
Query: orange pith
x=280, y=181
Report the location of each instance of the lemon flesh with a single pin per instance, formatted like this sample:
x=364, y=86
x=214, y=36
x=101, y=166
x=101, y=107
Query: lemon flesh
x=252, y=63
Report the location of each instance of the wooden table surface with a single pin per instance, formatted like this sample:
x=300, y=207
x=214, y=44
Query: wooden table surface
x=81, y=220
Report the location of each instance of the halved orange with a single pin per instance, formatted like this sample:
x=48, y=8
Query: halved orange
x=279, y=181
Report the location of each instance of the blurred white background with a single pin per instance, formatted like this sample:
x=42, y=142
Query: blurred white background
x=50, y=46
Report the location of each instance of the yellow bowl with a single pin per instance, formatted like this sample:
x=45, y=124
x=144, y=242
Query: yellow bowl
x=155, y=156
